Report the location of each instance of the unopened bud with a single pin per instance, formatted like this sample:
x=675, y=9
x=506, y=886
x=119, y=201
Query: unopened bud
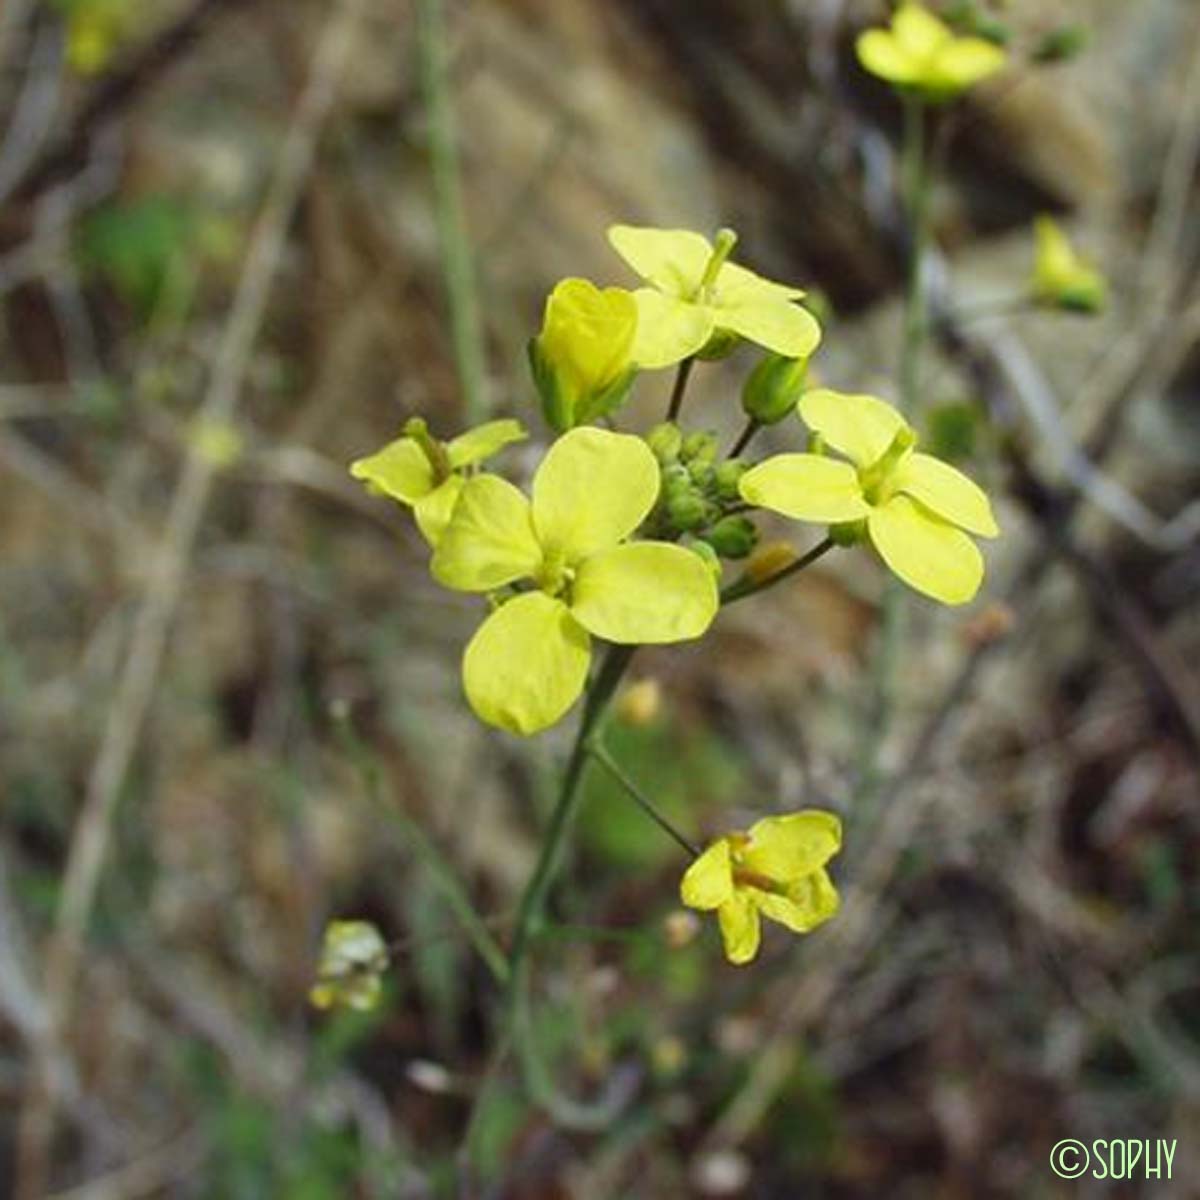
x=773, y=388
x=699, y=447
x=733, y=537
x=665, y=441
x=686, y=509
x=727, y=477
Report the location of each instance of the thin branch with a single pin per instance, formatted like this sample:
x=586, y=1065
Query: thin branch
x=600, y=753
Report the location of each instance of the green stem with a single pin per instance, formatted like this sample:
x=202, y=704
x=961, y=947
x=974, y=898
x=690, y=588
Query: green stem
x=531, y=914
x=600, y=753
x=533, y=902
x=681, y=382
x=746, y=586
x=752, y=427
x=457, y=262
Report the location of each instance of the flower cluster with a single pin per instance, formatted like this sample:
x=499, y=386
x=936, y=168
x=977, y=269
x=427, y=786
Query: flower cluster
x=626, y=538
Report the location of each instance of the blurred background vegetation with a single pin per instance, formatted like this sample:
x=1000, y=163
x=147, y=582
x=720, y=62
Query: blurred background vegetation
x=230, y=253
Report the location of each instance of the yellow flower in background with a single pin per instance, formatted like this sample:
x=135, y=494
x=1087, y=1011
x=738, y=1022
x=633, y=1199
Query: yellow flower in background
x=915, y=507
x=96, y=32
x=776, y=870
x=1061, y=279
x=353, y=957
x=528, y=661
x=581, y=360
x=922, y=54
x=696, y=292
x=427, y=475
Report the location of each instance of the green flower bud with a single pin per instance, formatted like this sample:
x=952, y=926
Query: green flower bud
x=727, y=477
x=773, y=388
x=699, y=447
x=703, y=474
x=686, y=510
x=665, y=440
x=733, y=537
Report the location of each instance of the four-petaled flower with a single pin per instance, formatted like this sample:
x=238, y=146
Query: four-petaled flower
x=1061, y=279
x=696, y=292
x=915, y=507
x=920, y=53
x=775, y=869
x=528, y=661
x=428, y=475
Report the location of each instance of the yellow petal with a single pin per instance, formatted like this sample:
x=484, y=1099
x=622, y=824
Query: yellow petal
x=399, y=470
x=779, y=325
x=593, y=489
x=929, y=554
x=805, y=487
x=587, y=334
x=526, y=664
x=740, y=929
x=809, y=902
x=645, y=593
x=669, y=330
x=918, y=32
x=785, y=849
x=483, y=441
x=860, y=427
x=947, y=491
x=489, y=541
x=966, y=61
x=671, y=259
x=882, y=56
x=433, y=512
x=736, y=285
x=708, y=882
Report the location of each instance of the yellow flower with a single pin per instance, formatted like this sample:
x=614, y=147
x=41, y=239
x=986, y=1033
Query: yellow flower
x=581, y=360
x=922, y=54
x=915, y=507
x=96, y=30
x=428, y=475
x=1061, y=279
x=528, y=661
x=697, y=293
x=353, y=957
x=776, y=869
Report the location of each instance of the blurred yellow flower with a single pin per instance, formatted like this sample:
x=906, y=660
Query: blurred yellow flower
x=696, y=293
x=427, y=475
x=914, y=506
x=581, y=359
x=528, y=661
x=1061, y=279
x=776, y=869
x=920, y=53
x=353, y=957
